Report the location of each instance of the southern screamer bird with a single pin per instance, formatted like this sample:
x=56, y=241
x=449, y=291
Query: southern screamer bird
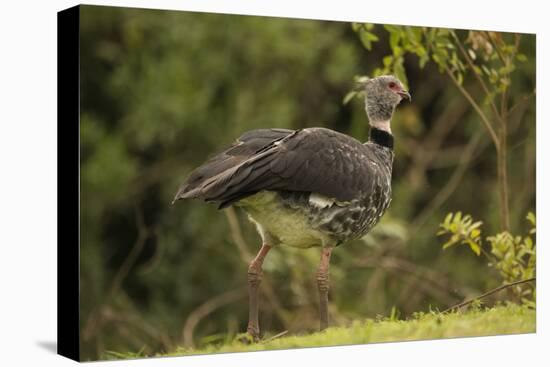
x=305, y=188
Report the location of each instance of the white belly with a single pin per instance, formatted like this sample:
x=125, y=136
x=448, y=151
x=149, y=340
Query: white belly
x=277, y=224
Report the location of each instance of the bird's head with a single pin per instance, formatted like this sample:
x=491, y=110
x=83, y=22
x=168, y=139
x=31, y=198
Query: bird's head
x=382, y=95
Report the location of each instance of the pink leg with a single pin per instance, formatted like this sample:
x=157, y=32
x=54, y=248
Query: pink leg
x=323, y=285
x=254, y=280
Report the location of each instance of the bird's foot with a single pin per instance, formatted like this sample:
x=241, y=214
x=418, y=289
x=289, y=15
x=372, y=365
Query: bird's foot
x=254, y=332
x=247, y=338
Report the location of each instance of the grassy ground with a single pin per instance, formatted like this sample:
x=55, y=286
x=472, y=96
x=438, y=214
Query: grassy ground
x=510, y=319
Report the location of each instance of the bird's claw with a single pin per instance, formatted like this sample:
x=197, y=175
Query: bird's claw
x=247, y=338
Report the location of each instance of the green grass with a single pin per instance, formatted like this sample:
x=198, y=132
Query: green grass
x=511, y=319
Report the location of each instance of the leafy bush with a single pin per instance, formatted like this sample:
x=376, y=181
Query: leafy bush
x=513, y=256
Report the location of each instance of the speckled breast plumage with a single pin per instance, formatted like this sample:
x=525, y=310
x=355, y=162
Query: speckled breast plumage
x=329, y=223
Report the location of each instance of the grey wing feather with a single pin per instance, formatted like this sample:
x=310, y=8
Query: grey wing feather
x=244, y=147
x=310, y=160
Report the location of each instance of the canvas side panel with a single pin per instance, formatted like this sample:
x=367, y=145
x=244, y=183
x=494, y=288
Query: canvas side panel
x=68, y=160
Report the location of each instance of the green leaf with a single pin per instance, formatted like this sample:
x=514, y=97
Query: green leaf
x=395, y=37
x=459, y=78
x=349, y=97
x=366, y=39
x=360, y=79
x=373, y=37
x=531, y=218
x=476, y=224
x=392, y=28
x=423, y=60
x=387, y=61
x=448, y=244
x=475, y=247
x=414, y=35
x=399, y=71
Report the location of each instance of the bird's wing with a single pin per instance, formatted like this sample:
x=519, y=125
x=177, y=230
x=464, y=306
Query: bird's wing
x=310, y=160
x=242, y=149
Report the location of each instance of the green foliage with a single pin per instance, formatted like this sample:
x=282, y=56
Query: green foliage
x=513, y=256
x=404, y=40
x=463, y=231
x=490, y=58
x=490, y=55
x=511, y=319
x=365, y=33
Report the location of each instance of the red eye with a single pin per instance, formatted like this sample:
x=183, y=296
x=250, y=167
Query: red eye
x=392, y=85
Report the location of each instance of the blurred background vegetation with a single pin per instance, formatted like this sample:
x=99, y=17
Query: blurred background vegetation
x=163, y=90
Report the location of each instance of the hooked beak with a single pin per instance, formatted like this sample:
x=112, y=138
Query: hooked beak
x=404, y=94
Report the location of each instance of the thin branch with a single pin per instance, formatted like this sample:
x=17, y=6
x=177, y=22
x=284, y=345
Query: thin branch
x=206, y=309
x=495, y=46
x=156, y=258
x=282, y=333
x=424, y=153
x=516, y=45
x=522, y=101
x=421, y=278
x=450, y=186
x=135, y=320
x=131, y=259
x=478, y=77
x=237, y=235
x=451, y=157
x=486, y=294
x=478, y=109
x=96, y=318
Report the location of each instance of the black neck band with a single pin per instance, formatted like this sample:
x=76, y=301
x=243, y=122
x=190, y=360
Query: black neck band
x=381, y=137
